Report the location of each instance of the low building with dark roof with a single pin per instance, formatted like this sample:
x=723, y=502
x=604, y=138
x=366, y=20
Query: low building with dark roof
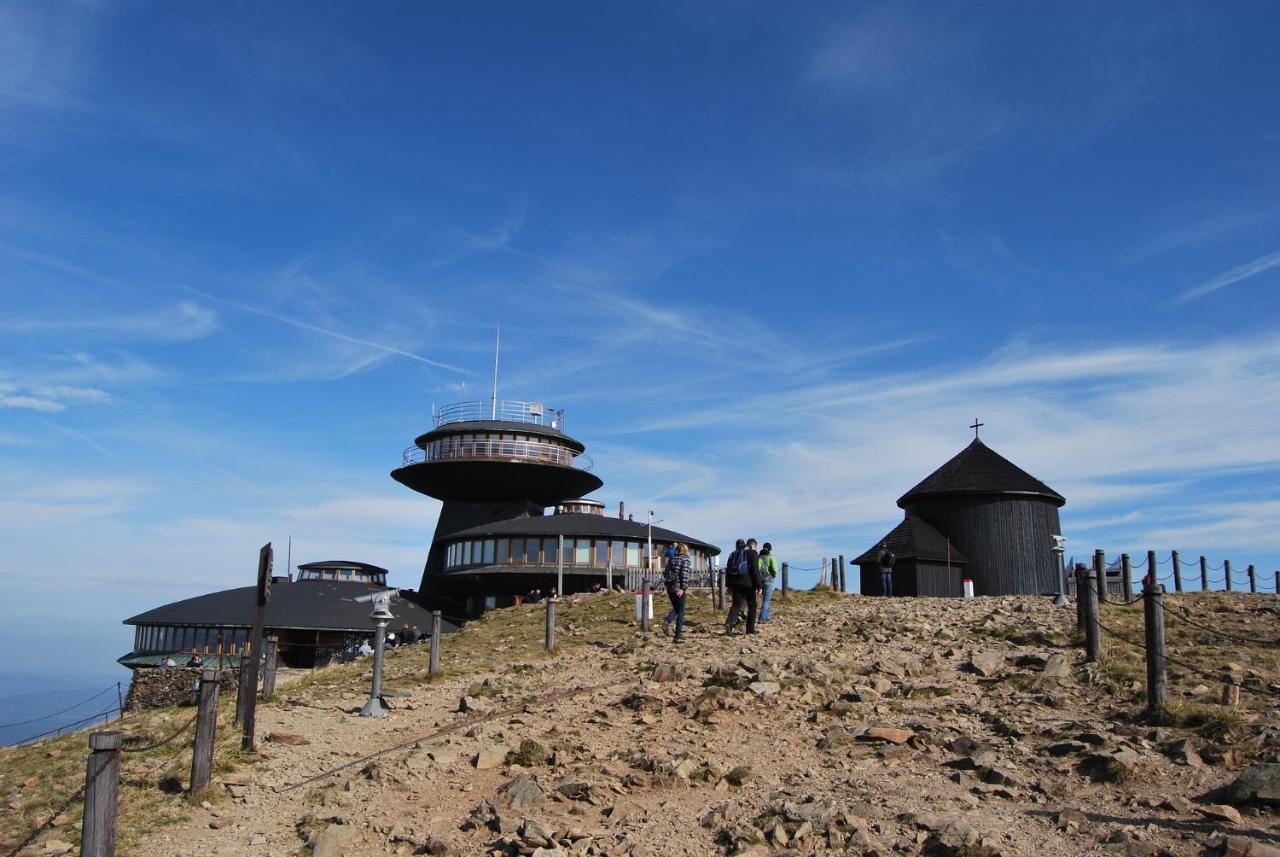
x=926, y=562
x=314, y=617
x=983, y=507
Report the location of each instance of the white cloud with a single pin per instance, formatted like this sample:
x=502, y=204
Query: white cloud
x=182, y=322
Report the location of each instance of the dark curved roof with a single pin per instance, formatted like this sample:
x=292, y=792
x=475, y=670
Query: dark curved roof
x=577, y=524
x=342, y=563
x=470, y=426
x=914, y=539
x=495, y=480
x=312, y=605
x=978, y=469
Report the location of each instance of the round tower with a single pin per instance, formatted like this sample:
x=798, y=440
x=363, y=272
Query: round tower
x=493, y=461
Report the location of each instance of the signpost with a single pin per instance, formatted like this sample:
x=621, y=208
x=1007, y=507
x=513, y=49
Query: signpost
x=255, y=644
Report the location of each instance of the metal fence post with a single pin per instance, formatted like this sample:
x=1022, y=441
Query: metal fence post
x=1157, y=681
x=1204, y=574
x=1278, y=581
x=101, y=787
x=608, y=577
x=1177, y=572
x=206, y=729
x=720, y=587
x=271, y=650
x=1081, y=582
x=1253, y=580
x=434, y=666
x=1092, y=630
x=1100, y=573
x=1126, y=575
x=1226, y=567
x=786, y=579
x=551, y=624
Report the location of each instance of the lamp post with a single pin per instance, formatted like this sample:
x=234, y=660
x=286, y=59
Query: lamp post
x=381, y=615
x=1060, y=571
x=649, y=542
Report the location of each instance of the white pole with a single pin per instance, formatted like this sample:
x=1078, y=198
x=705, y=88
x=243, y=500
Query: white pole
x=497, y=347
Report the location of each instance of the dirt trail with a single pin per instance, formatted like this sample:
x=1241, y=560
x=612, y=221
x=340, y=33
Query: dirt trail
x=849, y=725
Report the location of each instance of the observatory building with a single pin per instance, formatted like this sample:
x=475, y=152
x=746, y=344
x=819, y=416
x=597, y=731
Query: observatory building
x=498, y=467
x=978, y=517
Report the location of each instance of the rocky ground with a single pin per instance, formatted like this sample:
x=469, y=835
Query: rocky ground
x=848, y=725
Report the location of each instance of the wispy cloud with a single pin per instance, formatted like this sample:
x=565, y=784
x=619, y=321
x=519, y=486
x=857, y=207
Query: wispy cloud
x=48, y=400
x=333, y=334
x=1230, y=278
x=180, y=323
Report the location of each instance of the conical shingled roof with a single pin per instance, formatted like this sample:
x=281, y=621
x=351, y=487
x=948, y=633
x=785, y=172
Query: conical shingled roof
x=978, y=469
x=915, y=539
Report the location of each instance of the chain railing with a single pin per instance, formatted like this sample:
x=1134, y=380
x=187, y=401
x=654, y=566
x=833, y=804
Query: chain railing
x=504, y=410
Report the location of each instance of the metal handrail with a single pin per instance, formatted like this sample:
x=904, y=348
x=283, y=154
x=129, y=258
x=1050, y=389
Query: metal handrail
x=531, y=413
x=502, y=450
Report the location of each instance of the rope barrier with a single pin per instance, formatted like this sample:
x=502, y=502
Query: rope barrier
x=1165, y=561
x=183, y=728
x=56, y=713
x=1183, y=617
x=1175, y=661
x=469, y=722
x=72, y=725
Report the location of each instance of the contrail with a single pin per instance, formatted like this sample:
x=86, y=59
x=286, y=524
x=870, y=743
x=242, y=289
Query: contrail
x=1235, y=275
x=332, y=333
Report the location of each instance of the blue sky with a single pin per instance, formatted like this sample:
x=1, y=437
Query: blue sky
x=771, y=259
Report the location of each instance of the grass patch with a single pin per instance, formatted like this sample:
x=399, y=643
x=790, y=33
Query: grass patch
x=1208, y=721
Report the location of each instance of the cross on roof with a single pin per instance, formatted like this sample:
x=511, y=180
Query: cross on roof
x=976, y=425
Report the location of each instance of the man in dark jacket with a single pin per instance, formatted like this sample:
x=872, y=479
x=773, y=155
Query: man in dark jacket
x=743, y=576
x=885, y=561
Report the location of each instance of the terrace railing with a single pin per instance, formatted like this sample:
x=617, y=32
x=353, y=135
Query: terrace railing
x=530, y=413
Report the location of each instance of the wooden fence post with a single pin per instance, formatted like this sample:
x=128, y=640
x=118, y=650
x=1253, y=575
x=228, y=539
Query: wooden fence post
x=1278, y=581
x=551, y=624
x=1078, y=574
x=1204, y=574
x=1177, y=572
x=608, y=577
x=1253, y=580
x=844, y=584
x=434, y=666
x=1126, y=575
x=206, y=729
x=101, y=787
x=270, y=649
x=1092, y=630
x=644, y=605
x=1152, y=568
x=242, y=692
x=1100, y=573
x=722, y=589
x=786, y=579
x=1157, y=680
x=1226, y=567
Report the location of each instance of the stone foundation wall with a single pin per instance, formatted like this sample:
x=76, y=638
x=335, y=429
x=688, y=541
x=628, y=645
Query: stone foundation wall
x=164, y=686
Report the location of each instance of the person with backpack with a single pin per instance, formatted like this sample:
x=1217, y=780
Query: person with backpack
x=768, y=574
x=743, y=572
x=886, y=560
x=676, y=577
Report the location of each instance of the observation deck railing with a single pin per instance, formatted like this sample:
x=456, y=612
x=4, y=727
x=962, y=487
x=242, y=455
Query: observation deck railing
x=534, y=452
x=531, y=413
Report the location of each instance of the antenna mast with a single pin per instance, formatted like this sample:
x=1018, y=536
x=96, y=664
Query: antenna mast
x=497, y=347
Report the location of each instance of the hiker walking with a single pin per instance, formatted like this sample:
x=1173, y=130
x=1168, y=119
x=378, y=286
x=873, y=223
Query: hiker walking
x=886, y=560
x=768, y=573
x=676, y=577
x=744, y=582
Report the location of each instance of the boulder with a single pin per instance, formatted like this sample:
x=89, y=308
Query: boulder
x=986, y=664
x=1258, y=784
